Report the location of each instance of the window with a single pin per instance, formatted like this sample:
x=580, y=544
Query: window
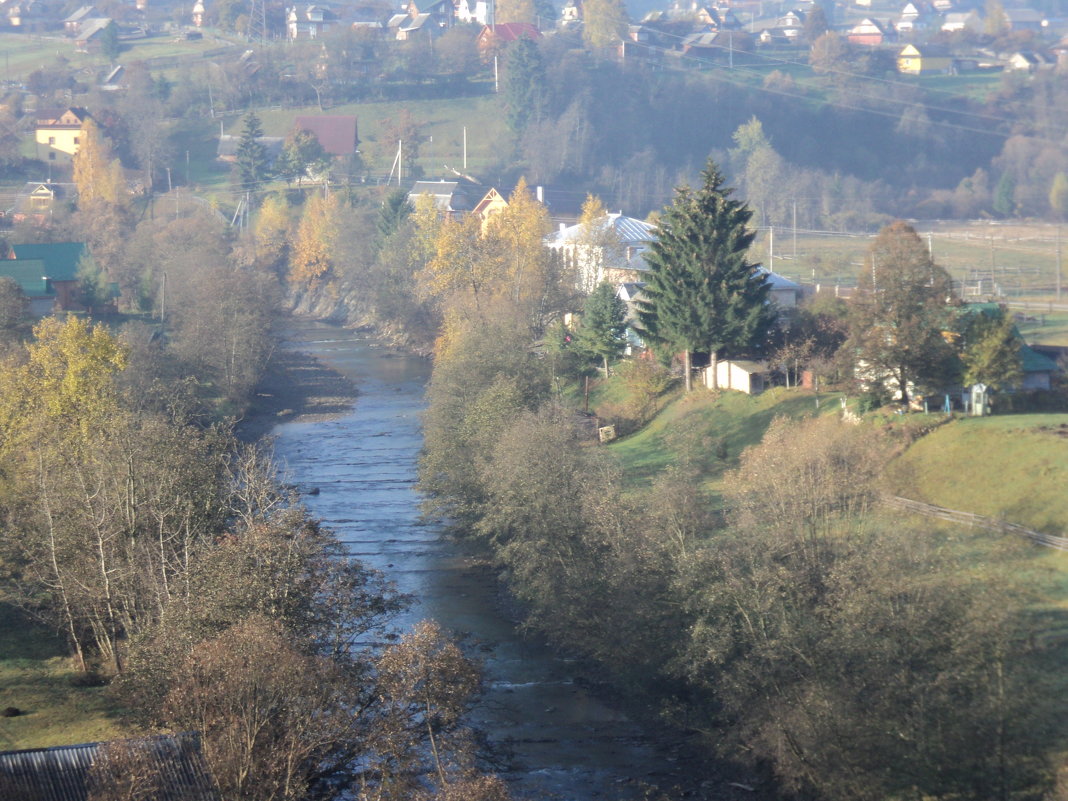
x=76, y=140
x=51, y=156
x=51, y=140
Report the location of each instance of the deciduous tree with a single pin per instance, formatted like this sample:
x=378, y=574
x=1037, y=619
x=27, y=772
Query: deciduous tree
x=604, y=23
x=992, y=352
x=313, y=251
x=900, y=312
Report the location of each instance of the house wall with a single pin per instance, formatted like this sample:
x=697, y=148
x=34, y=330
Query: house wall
x=733, y=376
x=60, y=140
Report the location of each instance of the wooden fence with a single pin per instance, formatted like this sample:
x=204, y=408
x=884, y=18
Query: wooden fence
x=977, y=521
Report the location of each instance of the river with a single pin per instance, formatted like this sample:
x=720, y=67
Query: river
x=548, y=735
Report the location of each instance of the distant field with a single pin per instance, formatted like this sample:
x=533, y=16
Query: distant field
x=23, y=53
x=1009, y=261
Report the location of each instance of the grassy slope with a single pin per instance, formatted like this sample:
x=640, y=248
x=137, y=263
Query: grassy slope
x=35, y=675
x=1013, y=467
x=713, y=430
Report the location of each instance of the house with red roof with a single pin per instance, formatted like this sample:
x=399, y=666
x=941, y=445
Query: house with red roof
x=494, y=37
x=337, y=133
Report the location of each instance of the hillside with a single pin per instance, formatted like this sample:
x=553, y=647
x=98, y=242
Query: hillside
x=1014, y=468
x=709, y=431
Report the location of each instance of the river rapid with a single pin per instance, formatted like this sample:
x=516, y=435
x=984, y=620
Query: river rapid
x=548, y=736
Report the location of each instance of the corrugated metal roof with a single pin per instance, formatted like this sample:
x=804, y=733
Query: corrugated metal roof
x=60, y=258
x=29, y=274
x=61, y=773
x=632, y=232
x=775, y=280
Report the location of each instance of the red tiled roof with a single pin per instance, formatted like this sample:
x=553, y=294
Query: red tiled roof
x=336, y=133
x=513, y=31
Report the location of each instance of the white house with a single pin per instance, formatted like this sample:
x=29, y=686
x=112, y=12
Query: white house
x=613, y=253
x=741, y=375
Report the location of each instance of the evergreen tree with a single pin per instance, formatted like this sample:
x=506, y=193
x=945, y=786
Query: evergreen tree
x=1005, y=196
x=110, y=46
x=252, y=157
x=523, y=84
x=394, y=211
x=702, y=293
x=603, y=328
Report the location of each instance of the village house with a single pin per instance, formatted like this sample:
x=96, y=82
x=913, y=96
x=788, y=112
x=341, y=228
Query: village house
x=47, y=274
x=337, y=133
x=613, y=253
x=58, y=134
x=924, y=60
x=494, y=37
x=37, y=200
x=75, y=21
x=452, y=198
x=870, y=32
x=740, y=375
x=308, y=22
x=957, y=21
x=1030, y=61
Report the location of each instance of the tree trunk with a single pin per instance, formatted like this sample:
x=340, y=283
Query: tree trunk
x=687, y=369
x=605, y=366
x=713, y=366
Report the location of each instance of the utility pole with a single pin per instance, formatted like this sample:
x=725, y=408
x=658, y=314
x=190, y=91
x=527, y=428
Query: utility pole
x=1058, y=263
x=795, y=231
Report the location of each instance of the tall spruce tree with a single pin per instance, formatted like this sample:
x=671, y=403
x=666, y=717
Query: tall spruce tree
x=702, y=293
x=602, y=333
x=523, y=84
x=253, y=160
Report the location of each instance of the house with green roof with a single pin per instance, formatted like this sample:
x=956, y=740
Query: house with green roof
x=47, y=273
x=1037, y=368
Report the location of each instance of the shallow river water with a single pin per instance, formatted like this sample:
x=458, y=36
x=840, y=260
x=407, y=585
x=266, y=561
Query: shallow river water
x=550, y=736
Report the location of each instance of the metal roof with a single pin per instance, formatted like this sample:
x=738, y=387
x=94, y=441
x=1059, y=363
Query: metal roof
x=60, y=258
x=61, y=773
x=631, y=231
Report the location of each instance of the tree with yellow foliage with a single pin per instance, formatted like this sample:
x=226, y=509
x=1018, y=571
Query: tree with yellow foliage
x=515, y=11
x=316, y=241
x=530, y=276
x=97, y=173
x=66, y=383
x=272, y=232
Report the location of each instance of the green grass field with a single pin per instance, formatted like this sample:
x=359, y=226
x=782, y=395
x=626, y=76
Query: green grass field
x=711, y=431
x=1012, y=467
x=35, y=677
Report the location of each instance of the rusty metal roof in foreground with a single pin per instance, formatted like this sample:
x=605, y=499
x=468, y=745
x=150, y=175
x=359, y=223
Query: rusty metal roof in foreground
x=61, y=773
